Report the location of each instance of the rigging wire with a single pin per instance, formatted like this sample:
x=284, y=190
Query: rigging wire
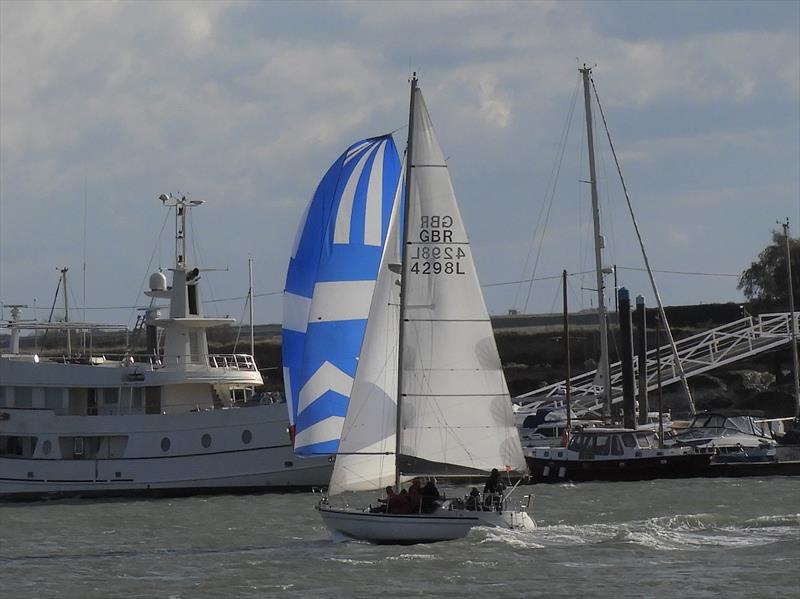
x=646, y=260
x=149, y=265
x=484, y=286
x=547, y=204
x=583, y=248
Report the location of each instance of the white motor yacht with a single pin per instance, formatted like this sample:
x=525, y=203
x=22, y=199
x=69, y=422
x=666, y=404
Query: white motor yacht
x=176, y=420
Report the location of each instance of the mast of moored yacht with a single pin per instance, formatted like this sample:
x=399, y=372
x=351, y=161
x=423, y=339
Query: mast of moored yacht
x=250, y=299
x=66, y=310
x=598, y=249
x=404, y=225
x=792, y=321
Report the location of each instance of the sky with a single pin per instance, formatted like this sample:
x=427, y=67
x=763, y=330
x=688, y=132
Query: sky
x=105, y=105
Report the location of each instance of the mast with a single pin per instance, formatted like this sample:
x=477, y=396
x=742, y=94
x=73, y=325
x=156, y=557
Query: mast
x=792, y=321
x=568, y=387
x=403, y=264
x=598, y=249
x=250, y=299
x=66, y=310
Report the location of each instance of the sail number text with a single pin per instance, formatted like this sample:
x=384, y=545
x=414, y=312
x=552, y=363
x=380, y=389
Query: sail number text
x=439, y=257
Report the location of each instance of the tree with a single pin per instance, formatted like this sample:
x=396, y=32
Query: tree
x=765, y=283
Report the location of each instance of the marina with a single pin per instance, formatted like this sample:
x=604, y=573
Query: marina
x=546, y=347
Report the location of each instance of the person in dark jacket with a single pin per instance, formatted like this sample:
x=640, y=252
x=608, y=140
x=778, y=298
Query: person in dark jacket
x=415, y=495
x=429, y=496
x=399, y=504
x=493, y=484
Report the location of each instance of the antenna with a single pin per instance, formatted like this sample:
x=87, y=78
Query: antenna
x=182, y=203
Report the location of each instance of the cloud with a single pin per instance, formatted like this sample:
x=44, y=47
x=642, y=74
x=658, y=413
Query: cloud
x=246, y=104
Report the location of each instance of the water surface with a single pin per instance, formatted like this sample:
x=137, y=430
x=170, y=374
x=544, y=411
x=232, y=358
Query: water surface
x=687, y=538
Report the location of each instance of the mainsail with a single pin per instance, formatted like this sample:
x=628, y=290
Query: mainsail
x=329, y=286
x=456, y=415
x=456, y=410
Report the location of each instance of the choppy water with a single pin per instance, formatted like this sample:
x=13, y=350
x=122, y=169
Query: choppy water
x=691, y=538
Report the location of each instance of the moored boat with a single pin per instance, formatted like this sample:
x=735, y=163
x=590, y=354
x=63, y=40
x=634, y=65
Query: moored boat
x=615, y=454
x=173, y=420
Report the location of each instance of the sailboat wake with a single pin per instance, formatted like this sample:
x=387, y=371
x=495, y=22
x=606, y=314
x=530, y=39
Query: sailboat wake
x=681, y=532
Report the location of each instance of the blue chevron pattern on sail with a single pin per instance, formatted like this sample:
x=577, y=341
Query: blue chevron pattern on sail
x=329, y=286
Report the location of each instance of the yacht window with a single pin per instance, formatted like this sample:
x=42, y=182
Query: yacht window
x=716, y=421
x=152, y=400
x=192, y=289
x=23, y=397
x=91, y=402
x=165, y=444
x=643, y=440
x=47, y=447
x=616, y=446
x=136, y=399
x=206, y=440
x=550, y=432
x=602, y=443
x=17, y=446
x=3, y=397
x=53, y=398
x=76, y=402
x=742, y=423
x=575, y=443
x=628, y=440
x=110, y=396
x=77, y=446
x=247, y=436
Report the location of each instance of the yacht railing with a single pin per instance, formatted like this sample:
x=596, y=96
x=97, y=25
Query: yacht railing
x=244, y=362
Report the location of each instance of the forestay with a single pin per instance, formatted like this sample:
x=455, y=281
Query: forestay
x=329, y=285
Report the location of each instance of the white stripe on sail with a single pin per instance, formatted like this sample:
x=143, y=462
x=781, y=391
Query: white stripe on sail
x=320, y=432
x=345, y=213
x=341, y=300
x=327, y=378
x=374, y=210
x=295, y=312
x=354, y=151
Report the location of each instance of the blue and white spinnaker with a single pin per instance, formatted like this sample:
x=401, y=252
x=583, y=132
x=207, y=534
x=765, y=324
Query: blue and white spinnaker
x=329, y=287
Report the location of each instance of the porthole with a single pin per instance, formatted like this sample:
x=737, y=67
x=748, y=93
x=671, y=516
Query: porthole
x=206, y=440
x=165, y=444
x=247, y=436
x=47, y=447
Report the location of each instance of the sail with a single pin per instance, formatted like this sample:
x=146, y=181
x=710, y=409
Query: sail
x=456, y=410
x=329, y=286
x=366, y=458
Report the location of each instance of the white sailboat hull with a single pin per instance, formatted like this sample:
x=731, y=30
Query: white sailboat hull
x=400, y=529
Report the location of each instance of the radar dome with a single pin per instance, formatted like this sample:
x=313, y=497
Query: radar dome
x=158, y=281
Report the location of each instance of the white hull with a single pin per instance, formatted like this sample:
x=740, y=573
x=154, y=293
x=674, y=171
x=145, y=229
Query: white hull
x=140, y=465
x=442, y=525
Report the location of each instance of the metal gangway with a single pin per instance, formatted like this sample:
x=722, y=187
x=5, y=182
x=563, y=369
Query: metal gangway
x=699, y=353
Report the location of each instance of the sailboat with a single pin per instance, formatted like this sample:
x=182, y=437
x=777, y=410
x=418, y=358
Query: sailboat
x=429, y=396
